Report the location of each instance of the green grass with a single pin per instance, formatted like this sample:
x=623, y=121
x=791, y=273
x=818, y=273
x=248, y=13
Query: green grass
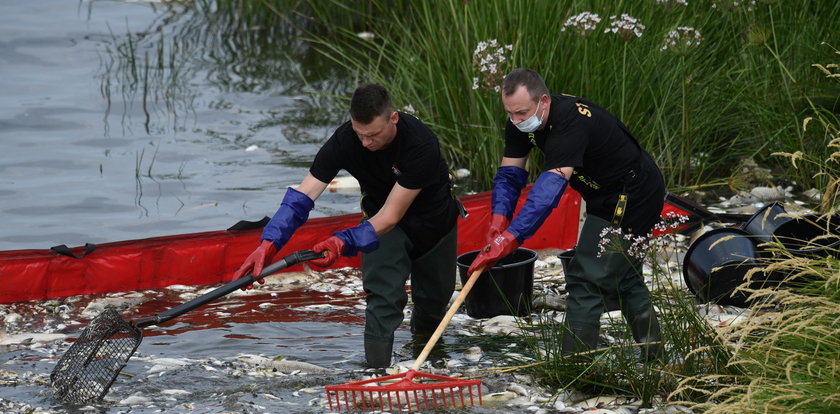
x=692, y=347
x=787, y=352
x=736, y=94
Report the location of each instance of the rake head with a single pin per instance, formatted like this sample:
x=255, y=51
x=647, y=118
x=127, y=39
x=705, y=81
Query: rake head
x=86, y=372
x=408, y=391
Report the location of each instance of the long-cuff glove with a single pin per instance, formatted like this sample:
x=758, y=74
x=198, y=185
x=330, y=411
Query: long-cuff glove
x=498, y=224
x=543, y=197
x=347, y=242
x=293, y=212
x=498, y=249
x=507, y=185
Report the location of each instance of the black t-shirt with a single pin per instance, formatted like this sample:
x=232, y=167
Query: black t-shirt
x=413, y=160
x=606, y=159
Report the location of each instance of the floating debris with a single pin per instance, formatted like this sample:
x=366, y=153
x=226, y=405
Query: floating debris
x=366, y=35
x=30, y=338
x=282, y=365
x=473, y=354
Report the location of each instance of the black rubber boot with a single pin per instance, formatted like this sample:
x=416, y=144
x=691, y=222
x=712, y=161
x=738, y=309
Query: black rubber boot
x=645, y=328
x=423, y=325
x=580, y=338
x=378, y=354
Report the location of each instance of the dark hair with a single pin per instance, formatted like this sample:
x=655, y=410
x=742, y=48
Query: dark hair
x=369, y=101
x=532, y=80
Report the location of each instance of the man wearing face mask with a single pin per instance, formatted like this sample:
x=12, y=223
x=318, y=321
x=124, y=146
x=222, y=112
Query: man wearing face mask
x=590, y=149
x=410, y=218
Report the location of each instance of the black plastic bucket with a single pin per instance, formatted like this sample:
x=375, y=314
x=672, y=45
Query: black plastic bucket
x=513, y=276
x=765, y=221
x=810, y=235
x=717, y=262
x=566, y=258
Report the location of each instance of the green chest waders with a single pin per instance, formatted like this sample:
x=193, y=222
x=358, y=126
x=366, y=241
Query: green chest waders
x=384, y=275
x=601, y=281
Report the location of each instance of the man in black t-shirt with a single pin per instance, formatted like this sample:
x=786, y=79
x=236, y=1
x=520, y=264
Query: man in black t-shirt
x=409, y=225
x=590, y=149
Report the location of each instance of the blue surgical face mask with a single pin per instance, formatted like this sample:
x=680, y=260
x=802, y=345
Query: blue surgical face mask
x=532, y=123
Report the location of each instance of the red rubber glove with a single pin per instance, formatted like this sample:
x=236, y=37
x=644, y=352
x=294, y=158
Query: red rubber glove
x=498, y=224
x=256, y=260
x=498, y=249
x=331, y=247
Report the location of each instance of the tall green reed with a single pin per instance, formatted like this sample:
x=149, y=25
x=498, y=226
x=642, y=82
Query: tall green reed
x=698, y=112
x=788, y=350
x=691, y=346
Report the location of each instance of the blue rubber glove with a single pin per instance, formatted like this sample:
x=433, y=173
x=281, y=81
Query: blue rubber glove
x=361, y=238
x=543, y=197
x=347, y=242
x=507, y=185
x=293, y=212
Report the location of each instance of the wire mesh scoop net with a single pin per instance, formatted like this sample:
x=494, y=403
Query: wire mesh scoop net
x=91, y=365
x=411, y=390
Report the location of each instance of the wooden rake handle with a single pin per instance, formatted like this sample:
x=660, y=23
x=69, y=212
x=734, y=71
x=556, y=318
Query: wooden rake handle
x=446, y=319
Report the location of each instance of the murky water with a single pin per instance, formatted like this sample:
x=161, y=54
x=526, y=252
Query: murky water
x=272, y=349
x=125, y=120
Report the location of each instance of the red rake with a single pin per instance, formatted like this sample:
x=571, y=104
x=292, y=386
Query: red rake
x=405, y=390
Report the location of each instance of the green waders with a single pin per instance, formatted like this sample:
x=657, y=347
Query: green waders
x=610, y=282
x=384, y=274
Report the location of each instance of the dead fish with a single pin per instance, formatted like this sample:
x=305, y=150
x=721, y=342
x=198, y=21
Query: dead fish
x=473, y=354
x=30, y=338
x=502, y=325
x=175, y=392
x=12, y=319
x=549, y=301
x=291, y=280
x=517, y=389
x=97, y=306
x=497, y=399
x=181, y=288
x=167, y=364
x=136, y=399
x=283, y=365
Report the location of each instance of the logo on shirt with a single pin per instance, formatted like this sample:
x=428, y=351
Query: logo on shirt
x=396, y=170
x=532, y=139
x=584, y=109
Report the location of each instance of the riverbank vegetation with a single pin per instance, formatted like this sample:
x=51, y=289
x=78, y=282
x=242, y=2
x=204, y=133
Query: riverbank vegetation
x=702, y=84
x=785, y=357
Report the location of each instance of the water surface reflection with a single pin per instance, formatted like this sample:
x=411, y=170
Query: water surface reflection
x=126, y=120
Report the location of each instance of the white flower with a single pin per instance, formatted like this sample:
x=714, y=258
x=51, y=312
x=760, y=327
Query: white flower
x=640, y=246
x=582, y=22
x=489, y=58
x=626, y=26
x=682, y=39
x=732, y=4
